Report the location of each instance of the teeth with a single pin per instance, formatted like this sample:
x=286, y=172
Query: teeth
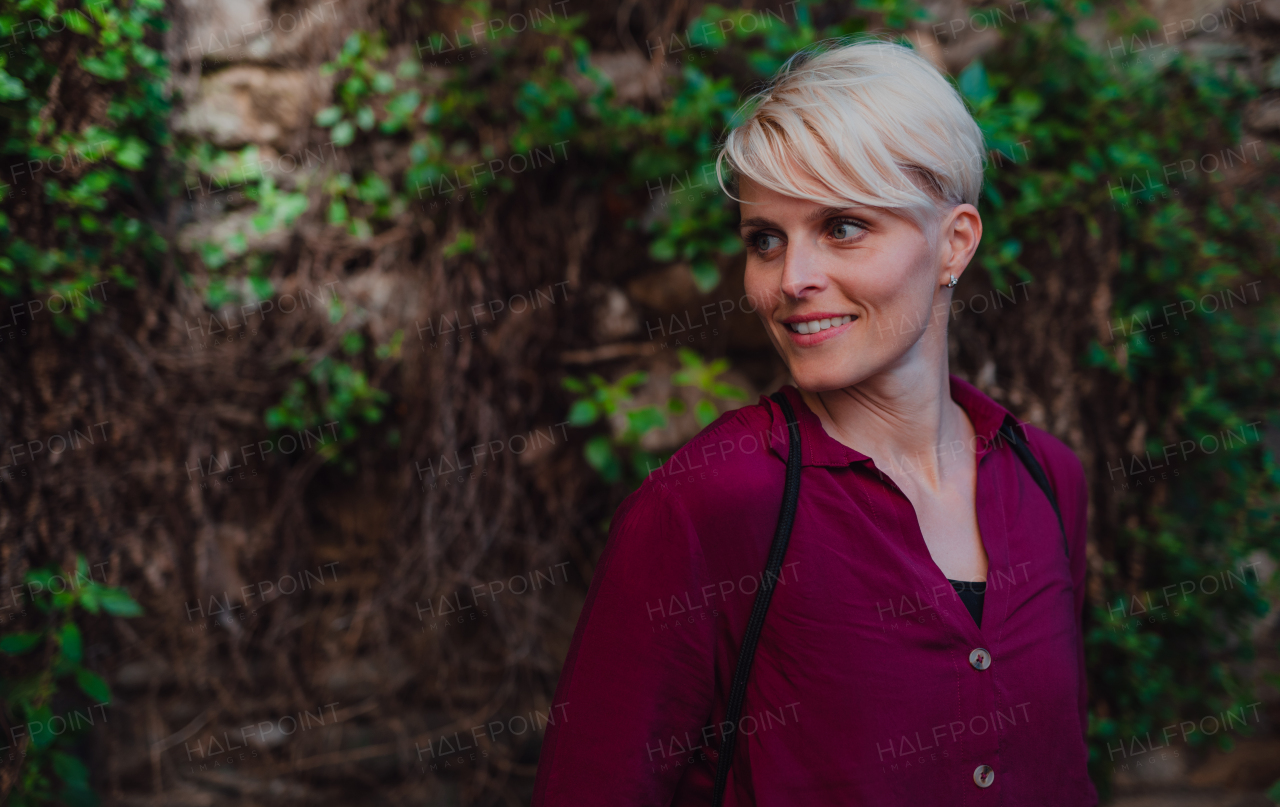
x=815, y=325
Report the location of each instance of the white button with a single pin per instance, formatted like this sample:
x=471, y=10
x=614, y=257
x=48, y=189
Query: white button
x=983, y=776
x=980, y=658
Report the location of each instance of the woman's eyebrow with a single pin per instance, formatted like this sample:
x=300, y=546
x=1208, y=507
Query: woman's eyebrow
x=817, y=215
x=825, y=213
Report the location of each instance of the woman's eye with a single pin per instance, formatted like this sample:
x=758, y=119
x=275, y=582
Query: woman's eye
x=843, y=230
x=764, y=242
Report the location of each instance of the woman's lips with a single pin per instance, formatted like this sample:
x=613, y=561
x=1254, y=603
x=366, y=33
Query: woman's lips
x=811, y=339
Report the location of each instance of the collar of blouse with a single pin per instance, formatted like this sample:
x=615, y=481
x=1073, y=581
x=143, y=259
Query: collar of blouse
x=820, y=448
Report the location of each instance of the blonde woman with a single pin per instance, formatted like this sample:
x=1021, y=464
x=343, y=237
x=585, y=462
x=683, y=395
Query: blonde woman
x=866, y=589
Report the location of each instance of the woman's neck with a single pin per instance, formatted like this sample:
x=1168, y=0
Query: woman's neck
x=903, y=418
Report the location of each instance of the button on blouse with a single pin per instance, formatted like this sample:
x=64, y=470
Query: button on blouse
x=872, y=683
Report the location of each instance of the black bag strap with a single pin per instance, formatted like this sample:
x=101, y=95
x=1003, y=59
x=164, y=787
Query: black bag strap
x=1009, y=430
x=773, y=569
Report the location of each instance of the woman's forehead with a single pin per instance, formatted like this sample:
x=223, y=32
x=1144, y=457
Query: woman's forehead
x=763, y=205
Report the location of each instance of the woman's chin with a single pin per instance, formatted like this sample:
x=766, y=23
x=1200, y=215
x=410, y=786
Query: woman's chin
x=824, y=379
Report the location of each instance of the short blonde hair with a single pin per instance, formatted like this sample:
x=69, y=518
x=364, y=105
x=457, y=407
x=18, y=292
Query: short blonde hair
x=870, y=123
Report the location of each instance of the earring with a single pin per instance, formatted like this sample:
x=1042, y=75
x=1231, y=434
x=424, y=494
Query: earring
x=953, y=282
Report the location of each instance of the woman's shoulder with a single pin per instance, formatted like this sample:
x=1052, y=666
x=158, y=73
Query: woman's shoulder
x=1066, y=476
x=1057, y=457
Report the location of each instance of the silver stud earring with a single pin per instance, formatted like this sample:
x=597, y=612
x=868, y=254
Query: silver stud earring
x=953, y=282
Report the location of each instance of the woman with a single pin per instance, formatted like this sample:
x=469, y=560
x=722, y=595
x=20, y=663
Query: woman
x=874, y=681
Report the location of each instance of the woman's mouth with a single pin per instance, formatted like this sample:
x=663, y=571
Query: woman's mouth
x=813, y=329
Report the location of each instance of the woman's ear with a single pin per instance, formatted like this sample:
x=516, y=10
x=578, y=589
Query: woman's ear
x=961, y=231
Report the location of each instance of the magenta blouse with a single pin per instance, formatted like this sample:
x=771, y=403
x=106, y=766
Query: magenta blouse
x=872, y=685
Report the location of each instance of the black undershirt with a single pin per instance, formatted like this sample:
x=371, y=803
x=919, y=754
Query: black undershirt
x=972, y=593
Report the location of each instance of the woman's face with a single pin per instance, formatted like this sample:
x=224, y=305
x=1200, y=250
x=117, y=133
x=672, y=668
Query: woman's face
x=846, y=294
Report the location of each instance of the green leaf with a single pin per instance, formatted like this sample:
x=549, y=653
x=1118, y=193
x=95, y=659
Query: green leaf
x=601, y=456
x=663, y=250
x=644, y=463
x=328, y=116
x=733, y=393
x=706, y=275
x=132, y=155
x=89, y=599
x=290, y=207
x=632, y=379
x=373, y=189
x=463, y=244
x=69, y=769
x=42, y=577
x=261, y=287
x=360, y=228
x=583, y=413
x=391, y=350
x=78, y=23
x=1273, y=792
x=110, y=66
x=353, y=44
x=405, y=103
x=42, y=716
x=337, y=211
x=974, y=85
x=72, y=645
x=343, y=133
x=117, y=602
x=93, y=685
x=383, y=82
x=645, y=419
x=79, y=796
x=352, y=343
x=15, y=644
x=705, y=412
x=11, y=89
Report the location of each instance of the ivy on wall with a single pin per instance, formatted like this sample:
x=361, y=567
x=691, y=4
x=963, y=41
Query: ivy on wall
x=1083, y=134
x=74, y=207
x=47, y=717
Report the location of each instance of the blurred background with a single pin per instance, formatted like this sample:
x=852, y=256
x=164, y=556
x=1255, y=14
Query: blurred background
x=334, y=332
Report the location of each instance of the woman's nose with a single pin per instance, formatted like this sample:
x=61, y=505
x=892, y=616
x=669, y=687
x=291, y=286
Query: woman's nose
x=802, y=272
